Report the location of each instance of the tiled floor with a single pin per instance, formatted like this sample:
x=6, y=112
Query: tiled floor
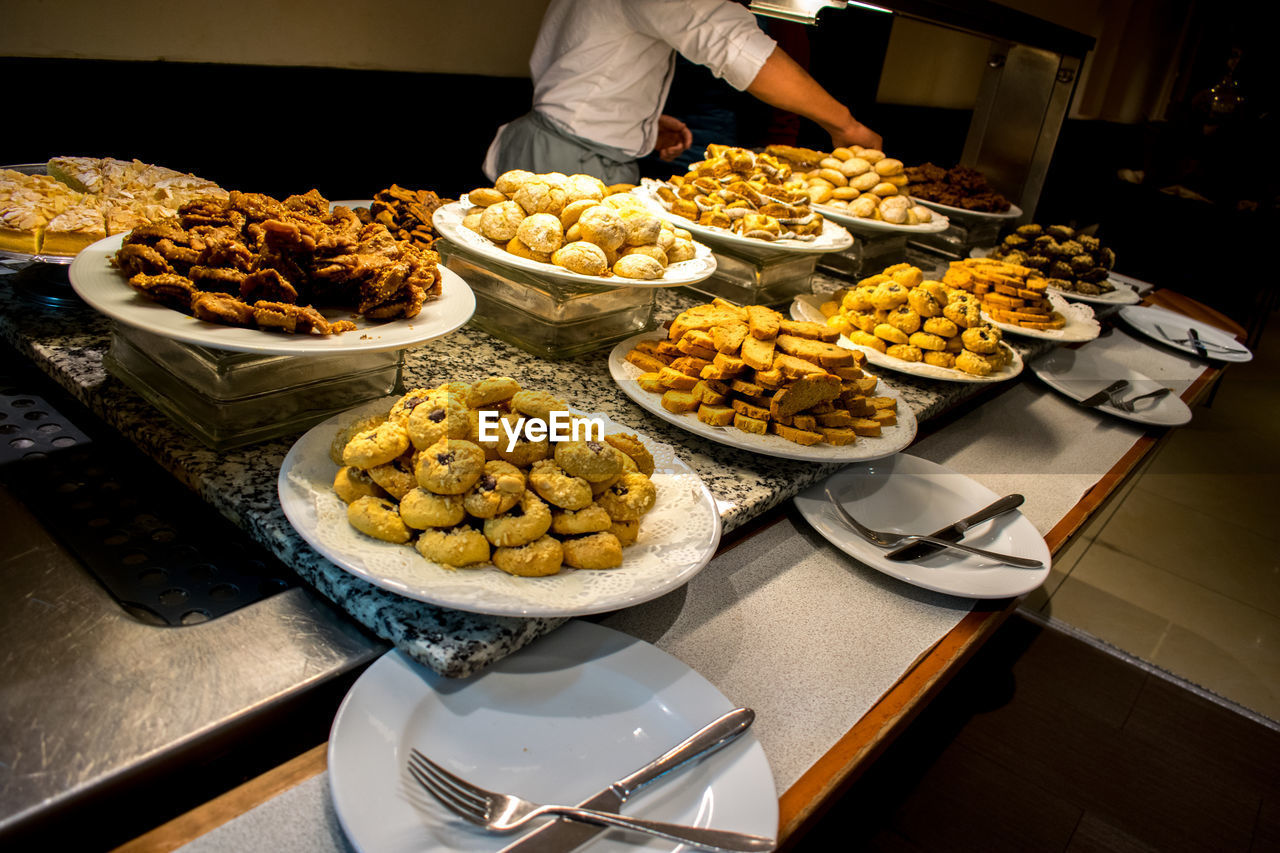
x=1182, y=567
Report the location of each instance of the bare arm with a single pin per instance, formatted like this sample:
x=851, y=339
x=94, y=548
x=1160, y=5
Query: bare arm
x=782, y=83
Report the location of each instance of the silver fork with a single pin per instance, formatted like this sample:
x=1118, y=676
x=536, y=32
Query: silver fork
x=886, y=539
x=505, y=813
x=1127, y=405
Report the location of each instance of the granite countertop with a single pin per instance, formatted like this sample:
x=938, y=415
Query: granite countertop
x=69, y=342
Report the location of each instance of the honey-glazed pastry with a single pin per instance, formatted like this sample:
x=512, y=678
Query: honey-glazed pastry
x=451, y=466
x=581, y=257
x=351, y=483
x=485, y=196
x=523, y=523
x=454, y=547
x=542, y=557
x=508, y=182
x=376, y=446
x=541, y=232
x=421, y=509
x=517, y=247
x=379, y=518
x=498, y=489
x=593, y=461
x=438, y=414
x=557, y=487
x=641, y=267
x=633, y=448
x=501, y=221
x=590, y=519
x=396, y=476
x=539, y=196
x=603, y=226
x=629, y=498
x=593, y=551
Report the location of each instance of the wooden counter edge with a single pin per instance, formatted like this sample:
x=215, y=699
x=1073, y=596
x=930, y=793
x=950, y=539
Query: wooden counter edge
x=221, y=809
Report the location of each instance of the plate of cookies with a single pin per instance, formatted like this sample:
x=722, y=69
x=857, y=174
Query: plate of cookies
x=883, y=216
x=747, y=377
x=901, y=321
x=1017, y=299
x=455, y=496
x=573, y=228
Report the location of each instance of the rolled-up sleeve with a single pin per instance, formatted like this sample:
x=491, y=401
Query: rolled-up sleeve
x=719, y=34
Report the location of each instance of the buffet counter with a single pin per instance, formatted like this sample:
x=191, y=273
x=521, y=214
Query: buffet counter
x=785, y=618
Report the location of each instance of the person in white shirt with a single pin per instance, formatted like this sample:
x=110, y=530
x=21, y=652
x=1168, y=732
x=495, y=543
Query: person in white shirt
x=602, y=69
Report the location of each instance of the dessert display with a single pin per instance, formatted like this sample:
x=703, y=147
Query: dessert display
x=1008, y=293
x=900, y=314
x=251, y=260
x=84, y=199
x=959, y=186
x=576, y=222
x=753, y=369
x=430, y=473
x=1067, y=259
x=744, y=193
x=405, y=213
x=856, y=181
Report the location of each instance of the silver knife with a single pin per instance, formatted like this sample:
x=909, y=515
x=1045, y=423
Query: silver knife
x=562, y=834
x=1196, y=344
x=1104, y=395
x=954, y=532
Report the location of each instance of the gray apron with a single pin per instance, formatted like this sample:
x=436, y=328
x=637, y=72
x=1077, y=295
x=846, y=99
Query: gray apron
x=538, y=144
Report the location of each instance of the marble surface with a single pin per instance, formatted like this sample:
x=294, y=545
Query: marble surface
x=68, y=342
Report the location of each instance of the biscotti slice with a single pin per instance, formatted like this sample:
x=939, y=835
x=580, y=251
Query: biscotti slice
x=676, y=380
x=651, y=382
x=751, y=425
x=716, y=415
x=645, y=361
x=804, y=393
x=838, y=436
x=765, y=323
x=757, y=353
x=806, y=329
x=679, y=402
x=799, y=436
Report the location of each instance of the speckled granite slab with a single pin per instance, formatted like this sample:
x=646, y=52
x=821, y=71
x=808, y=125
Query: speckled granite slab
x=69, y=342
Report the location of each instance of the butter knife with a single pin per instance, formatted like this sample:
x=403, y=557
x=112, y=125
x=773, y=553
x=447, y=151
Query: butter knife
x=562, y=834
x=1104, y=395
x=1196, y=343
x=954, y=532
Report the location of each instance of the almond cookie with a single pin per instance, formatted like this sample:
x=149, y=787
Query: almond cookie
x=594, y=551
x=541, y=232
x=495, y=389
x=509, y=182
x=524, y=452
x=603, y=226
x=351, y=483
x=888, y=296
x=538, y=404
x=981, y=340
x=590, y=519
x=627, y=532
x=440, y=415
x=395, y=476
x=523, y=523
x=633, y=447
x=906, y=352
x=924, y=340
x=376, y=446
x=940, y=359
x=536, y=559
x=582, y=257
x=500, y=221
x=558, y=488
x=379, y=518
x=451, y=466
x=454, y=547
x=905, y=319
x=593, y=461
x=344, y=435
x=629, y=498
x=403, y=407
x=498, y=490
x=971, y=362
x=889, y=333
x=421, y=509
x=941, y=326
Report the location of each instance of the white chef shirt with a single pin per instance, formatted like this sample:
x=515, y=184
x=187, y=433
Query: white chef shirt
x=602, y=68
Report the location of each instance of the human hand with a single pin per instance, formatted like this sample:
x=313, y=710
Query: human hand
x=855, y=132
x=674, y=137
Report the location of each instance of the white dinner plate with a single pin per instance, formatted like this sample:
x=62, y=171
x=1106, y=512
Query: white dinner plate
x=1082, y=372
x=677, y=538
x=832, y=239
x=906, y=494
x=447, y=220
x=874, y=226
x=1123, y=294
x=891, y=438
x=1081, y=324
x=964, y=213
x=1150, y=320
x=808, y=307
x=555, y=722
x=107, y=289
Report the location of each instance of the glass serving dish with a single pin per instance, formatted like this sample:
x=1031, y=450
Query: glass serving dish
x=549, y=318
x=759, y=279
x=228, y=399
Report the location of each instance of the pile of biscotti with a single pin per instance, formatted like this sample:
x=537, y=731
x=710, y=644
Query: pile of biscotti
x=750, y=367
